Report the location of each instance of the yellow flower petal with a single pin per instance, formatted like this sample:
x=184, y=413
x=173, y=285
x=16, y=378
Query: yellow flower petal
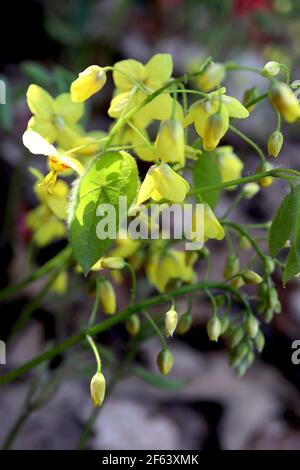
x=126, y=72
x=158, y=70
x=171, y=185
x=149, y=184
x=212, y=227
x=66, y=108
x=40, y=102
x=44, y=127
x=234, y=107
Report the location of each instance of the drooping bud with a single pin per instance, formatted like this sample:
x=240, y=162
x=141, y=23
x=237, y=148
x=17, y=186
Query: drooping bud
x=212, y=77
x=285, y=101
x=113, y=262
x=238, y=353
x=275, y=143
x=271, y=68
x=169, y=144
x=266, y=180
x=108, y=297
x=97, y=388
x=184, y=324
x=214, y=131
x=245, y=243
x=89, y=82
x=232, y=266
x=252, y=326
x=259, y=341
x=237, y=282
x=250, y=190
x=214, y=328
x=165, y=361
x=251, y=277
x=133, y=325
x=171, y=320
x=236, y=337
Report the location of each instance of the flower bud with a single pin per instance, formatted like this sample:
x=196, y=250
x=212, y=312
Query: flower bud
x=245, y=243
x=214, y=328
x=225, y=322
x=108, y=298
x=250, y=190
x=259, y=341
x=165, y=361
x=275, y=143
x=211, y=77
x=266, y=180
x=269, y=265
x=89, y=82
x=113, y=262
x=184, y=324
x=213, y=132
x=171, y=319
x=232, y=266
x=133, y=325
x=97, y=388
x=285, y=101
x=271, y=68
x=251, y=326
x=237, y=282
x=169, y=144
x=236, y=337
x=251, y=277
x=238, y=354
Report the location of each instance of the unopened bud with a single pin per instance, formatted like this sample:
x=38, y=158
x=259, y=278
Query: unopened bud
x=266, y=180
x=250, y=190
x=184, y=324
x=171, y=319
x=214, y=328
x=251, y=277
x=232, y=266
x=249, y=96
x=259, y=341
x=285, y=101
x=213, y=132
x=269, y=265
x=165, y=361
x=251, y=326
x=212, y=76
x=245, y=243
x=133, y=325
x=97, y=388
x=237, y=282
x=108, y=298
x=113, y=262
x=271, y=68
x=169, y=144
x=236, y=337
x=275, y=143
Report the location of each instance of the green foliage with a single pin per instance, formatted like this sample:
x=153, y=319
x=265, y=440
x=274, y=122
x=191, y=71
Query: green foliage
x=206, y=173
x=112, y=175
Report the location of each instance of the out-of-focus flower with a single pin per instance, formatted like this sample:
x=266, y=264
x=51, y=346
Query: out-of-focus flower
x=229, y=164
x=245, y=7
x=169, y=144
x=212, y=227
x=285, y=101
x=212, y=77
x=56, y=120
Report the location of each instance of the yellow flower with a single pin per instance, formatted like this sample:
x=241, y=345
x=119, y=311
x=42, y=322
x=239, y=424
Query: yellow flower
x=58, y=163
x=229, y=164
x=171, y=319
x=161, y=182
x=169, y=144
x=165, y=266
x=212, y=76
x=108, y=298
x=89, y=82
x=125, y=248
x=285, y=101
x=44, y=226
x=211, y=116
x=97, y=388
x=88, y=144
x=57, y=201
x=212, y=227
x=135, y=81
x=54, y=119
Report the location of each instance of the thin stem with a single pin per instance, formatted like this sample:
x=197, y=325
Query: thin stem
x=95, y=351
x=139, y=133
x=133, y=283
x=111, y=321
x=96, y=304
x=155, y=327
x=249, y=141
x=233, y=204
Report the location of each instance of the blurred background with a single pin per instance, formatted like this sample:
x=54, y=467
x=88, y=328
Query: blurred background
x=204, y=405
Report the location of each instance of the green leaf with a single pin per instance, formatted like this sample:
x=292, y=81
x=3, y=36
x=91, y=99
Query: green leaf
x=157, y=380
x=37, y=73
x=282, y=224
x=292, y=267
x=206, y=173
x=112, y=175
